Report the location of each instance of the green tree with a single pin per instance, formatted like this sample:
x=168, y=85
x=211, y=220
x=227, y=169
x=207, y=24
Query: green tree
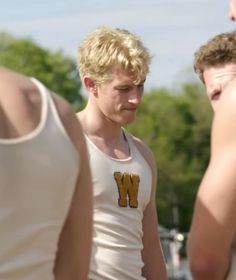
x=54, y=69
x=176, y=126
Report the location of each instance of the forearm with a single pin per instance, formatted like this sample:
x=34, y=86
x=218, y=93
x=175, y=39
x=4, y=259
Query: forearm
x=74, y=248
x=213, y=224
x=213, y=273
x=154, y=263
x=206, y=263
x=72, y=262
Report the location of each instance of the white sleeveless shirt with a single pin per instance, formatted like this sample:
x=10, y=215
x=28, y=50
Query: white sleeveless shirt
x=37, y=178
x=122, y=189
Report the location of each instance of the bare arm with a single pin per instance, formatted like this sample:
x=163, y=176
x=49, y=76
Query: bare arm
x=74, y=247
x=214, y=223
x=23, y=112
x=152, y=255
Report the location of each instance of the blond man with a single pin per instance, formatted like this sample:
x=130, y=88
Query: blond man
x=113, y=64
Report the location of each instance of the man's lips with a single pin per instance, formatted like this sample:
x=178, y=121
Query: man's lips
x=130, y=109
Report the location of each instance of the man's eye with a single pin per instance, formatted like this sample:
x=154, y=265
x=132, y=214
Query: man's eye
x=123, y=89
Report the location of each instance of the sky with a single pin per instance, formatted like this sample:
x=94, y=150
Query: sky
x=171, y=29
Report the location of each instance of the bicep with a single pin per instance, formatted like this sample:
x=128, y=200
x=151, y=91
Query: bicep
x=150, y=220
x=75, y=239
x=214, y=220
x=219, y=192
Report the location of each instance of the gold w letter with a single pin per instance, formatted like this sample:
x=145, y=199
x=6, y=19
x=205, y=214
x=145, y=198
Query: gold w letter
x=128, y=185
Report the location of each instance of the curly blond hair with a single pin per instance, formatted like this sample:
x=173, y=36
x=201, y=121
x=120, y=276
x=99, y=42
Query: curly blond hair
x=108, y=47
x=218, y=51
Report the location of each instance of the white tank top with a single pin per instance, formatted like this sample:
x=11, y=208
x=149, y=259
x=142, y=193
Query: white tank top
x=37, y=178
x=122, y=189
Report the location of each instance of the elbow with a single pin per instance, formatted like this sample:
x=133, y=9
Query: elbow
x=202, y=270
x=207, y=266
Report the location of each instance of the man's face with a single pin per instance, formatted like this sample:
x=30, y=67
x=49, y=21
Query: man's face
x=232, y=10
x=217, y=78
x=119, y=98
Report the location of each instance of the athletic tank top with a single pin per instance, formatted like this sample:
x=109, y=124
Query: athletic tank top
x=122, y=189
x=37, y=178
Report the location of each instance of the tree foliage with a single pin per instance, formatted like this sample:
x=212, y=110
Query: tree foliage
x=174, y=123
x=176, y=126
x=55, y=70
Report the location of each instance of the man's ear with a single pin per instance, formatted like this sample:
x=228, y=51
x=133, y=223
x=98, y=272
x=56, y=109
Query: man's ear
x=90, y=85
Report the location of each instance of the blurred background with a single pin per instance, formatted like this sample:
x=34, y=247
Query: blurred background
x=40, y=39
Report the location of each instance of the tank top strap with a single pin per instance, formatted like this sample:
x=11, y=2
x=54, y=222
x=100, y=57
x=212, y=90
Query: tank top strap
x=48, y=107
x=130, y=141
x=42, y=122
x=44, y=106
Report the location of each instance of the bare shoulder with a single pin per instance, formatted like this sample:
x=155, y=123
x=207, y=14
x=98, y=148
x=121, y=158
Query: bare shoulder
x=69, y=119
x=148, y=155
x=11, y=81
x=6, y=75
x=145, y=151
x=19, y=100
x=20, y=97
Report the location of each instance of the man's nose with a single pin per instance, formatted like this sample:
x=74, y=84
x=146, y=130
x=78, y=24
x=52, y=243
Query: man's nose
x=135, y=97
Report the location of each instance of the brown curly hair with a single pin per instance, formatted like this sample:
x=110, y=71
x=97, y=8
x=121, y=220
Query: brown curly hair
x=219, y=50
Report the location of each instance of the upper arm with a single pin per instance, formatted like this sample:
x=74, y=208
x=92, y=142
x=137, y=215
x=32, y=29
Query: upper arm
x=83, y=188
x=75, y=240
x=218, y=188
x=149, y=157
x=214, y=223
x=152, y=253
x=150, y=217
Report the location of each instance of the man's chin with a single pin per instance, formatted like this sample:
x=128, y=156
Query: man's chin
x=128, y=120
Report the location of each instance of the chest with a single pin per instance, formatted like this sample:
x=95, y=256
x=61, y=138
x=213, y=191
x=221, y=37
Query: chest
x=122, y=183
